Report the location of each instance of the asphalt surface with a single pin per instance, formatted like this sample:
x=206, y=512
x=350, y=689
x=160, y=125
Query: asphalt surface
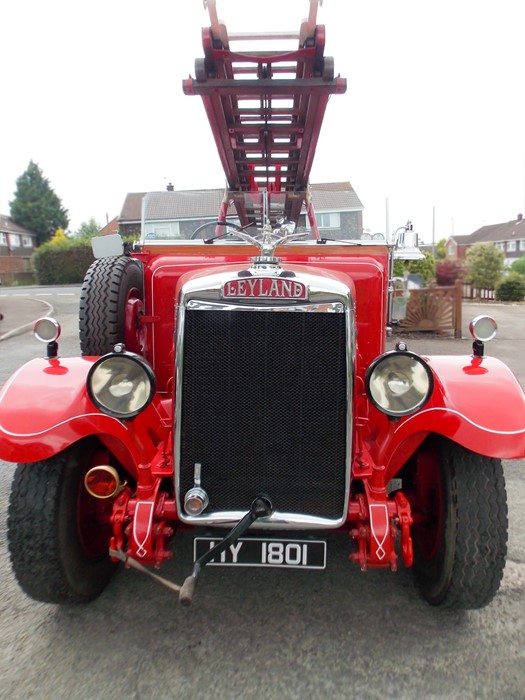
x=19, y=313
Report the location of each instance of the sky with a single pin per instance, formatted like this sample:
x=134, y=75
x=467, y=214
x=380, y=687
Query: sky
x=431, y=128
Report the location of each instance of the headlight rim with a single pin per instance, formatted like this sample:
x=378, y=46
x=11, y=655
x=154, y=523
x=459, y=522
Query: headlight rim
x=52, y=322
x=475, y=324
x=134, y=358
x=382, y=358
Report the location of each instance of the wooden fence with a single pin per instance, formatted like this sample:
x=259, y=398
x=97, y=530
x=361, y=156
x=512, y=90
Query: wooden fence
x=436, y=309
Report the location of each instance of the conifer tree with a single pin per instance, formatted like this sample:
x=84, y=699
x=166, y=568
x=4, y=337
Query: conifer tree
x=36, y=206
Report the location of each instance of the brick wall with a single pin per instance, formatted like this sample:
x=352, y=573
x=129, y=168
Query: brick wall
x=12, y=263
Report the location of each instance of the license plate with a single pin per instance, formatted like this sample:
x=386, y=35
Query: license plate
x=256, y=551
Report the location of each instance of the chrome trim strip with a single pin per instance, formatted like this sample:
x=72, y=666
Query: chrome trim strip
x=277, y=521
x=327, y=307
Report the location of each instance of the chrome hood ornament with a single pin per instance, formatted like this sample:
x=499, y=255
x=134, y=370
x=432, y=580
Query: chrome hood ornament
x=268, y=239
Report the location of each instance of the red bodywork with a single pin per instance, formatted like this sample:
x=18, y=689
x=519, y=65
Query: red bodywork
x=62, y=413
x=145, y=514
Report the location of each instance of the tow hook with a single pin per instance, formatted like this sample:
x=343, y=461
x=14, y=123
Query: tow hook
x=260, y=508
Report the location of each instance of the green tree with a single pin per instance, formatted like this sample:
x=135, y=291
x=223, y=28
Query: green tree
x=36, y=206
x=87, y=229
x=519, y=265
x=441, y=249
x=485, y=264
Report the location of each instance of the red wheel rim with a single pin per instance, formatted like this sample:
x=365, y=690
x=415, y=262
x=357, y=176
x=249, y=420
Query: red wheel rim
x=134, y=330
x=427, y=506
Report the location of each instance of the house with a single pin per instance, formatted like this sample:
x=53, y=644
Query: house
x=509, y=237
x=15, y=239
x=111, y=227
x=17, y=245
x=172, y=213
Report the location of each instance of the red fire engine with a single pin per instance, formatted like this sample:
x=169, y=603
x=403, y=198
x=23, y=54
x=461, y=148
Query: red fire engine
x=234, y=380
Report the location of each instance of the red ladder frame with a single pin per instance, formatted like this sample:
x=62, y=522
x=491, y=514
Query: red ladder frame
x=265, y=109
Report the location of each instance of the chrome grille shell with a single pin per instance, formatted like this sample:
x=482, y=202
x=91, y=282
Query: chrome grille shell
x=327, y=298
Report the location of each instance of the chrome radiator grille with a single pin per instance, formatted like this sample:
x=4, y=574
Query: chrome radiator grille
x=264, y=409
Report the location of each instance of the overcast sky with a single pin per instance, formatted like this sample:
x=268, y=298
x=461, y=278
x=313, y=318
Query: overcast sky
x=433, y=118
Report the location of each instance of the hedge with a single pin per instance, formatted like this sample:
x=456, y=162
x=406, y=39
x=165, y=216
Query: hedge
x=511, y=288
x=62, y=262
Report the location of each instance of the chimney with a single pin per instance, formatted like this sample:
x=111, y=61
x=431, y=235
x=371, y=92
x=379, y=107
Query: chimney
x=169, y=187
x=520, y=217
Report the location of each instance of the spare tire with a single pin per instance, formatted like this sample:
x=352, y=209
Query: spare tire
x=111, y=303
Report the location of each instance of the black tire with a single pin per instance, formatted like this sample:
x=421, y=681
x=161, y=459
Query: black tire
x=460, y=549
x=109, y=285
x=58, y=545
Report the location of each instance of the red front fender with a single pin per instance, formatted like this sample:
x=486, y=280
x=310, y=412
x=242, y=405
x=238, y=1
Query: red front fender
x=44, y=408
x=477, y=403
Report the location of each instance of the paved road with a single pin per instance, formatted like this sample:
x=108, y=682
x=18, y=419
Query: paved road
x=21, y=306
x=268, y=634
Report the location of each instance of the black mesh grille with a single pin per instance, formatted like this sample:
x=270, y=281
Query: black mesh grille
x=264, y=409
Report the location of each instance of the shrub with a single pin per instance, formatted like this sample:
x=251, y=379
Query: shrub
x=512, y=288
x=448, y=271
x=425, y=267
x=62, y=261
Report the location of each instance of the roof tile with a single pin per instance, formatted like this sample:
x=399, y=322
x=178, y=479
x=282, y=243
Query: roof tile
x=7, y=225
x=196, y=204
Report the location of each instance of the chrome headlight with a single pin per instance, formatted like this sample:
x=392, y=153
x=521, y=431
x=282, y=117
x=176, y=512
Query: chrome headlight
x=399, y=383
x=121, y=384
